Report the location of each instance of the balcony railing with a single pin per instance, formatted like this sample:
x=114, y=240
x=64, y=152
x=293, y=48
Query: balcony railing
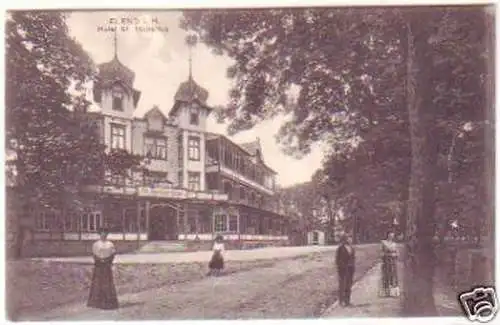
x=212, y=164
x=245, y=179
x=266, y=206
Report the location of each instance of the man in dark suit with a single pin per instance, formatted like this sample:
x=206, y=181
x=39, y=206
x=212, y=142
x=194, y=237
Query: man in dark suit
x=345, y=266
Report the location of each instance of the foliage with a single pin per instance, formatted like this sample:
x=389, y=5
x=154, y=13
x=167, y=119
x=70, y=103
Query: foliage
x=342, y=76
x=298, y=202
x=289, y=47
x=283, y=49
x=57, y=145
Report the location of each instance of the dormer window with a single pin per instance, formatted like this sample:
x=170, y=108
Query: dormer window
x=118, y=95
x=194, y=116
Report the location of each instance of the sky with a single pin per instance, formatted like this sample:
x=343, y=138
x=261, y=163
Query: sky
x=160, y=62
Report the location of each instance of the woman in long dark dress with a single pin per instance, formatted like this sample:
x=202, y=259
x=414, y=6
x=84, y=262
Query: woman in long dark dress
x=389, y=286
x=216, y=264
x=102, y=290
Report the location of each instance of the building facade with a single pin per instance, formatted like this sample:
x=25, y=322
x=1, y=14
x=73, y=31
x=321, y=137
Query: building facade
x=194, y=186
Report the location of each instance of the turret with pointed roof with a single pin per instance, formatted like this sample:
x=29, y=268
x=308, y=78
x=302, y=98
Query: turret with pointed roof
x=113, y=72
x=189, y=91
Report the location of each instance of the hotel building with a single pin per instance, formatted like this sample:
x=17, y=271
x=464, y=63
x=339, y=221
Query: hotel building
x=196, y=184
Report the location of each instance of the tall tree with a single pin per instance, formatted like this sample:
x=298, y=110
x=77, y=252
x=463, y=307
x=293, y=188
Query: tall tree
x=43, y=65
x=57, y=147
x=352, y=77
x=445, y=85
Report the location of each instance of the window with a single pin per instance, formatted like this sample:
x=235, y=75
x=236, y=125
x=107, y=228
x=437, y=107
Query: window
x=70, y=222
x=117, y=94
x=41, y=223
x=191, y=221
x=194, y=148
x=243, y=223
x=118, y=180
x=315, y=238
x=90, y=221
x=251, y=224
x=211, y=181
x=220, y=222
x=130, y=220
x=152, y=178
x=228, y=189
x=117, y=136
x=181, y=149
x=243, y=194
x=233, y=223
x=258, y=200
x=181, y=179
x=194, y=181
x=194, y=116
x=252, y=198
x=46, y=220
x=205, y=221
x=156, y=148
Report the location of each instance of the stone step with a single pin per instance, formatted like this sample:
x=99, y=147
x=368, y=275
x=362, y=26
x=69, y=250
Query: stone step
x=163, y=246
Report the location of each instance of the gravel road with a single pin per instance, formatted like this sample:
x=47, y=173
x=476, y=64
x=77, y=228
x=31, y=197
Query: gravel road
x=297, y=288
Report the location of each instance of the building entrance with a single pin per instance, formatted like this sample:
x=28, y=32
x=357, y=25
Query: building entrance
x=163, y=223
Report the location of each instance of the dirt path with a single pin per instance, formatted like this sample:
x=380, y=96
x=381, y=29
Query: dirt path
x=288, y=289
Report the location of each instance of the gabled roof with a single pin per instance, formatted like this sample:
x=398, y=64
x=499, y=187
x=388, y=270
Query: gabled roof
x=154, y=109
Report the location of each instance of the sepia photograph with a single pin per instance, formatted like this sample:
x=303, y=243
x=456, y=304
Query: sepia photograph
x=250, y=163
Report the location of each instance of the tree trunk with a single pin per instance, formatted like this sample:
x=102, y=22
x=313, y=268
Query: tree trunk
x=419, y=258
x=331, y=219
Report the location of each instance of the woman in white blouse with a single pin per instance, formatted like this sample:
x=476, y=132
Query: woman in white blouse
x=102, y=290
x=216, y=264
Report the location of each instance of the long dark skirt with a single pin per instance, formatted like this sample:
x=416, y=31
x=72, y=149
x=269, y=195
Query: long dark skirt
x=102, y=290
x=217, y=262
x=389, y=283
x=345, y=284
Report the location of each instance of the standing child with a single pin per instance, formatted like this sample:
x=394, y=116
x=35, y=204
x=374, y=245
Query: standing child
x=216, y=264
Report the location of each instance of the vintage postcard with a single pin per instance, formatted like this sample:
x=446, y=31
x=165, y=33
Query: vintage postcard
x=250, y=163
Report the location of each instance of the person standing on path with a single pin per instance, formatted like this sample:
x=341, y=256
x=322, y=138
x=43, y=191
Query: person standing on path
x=216, y=264
x=345, y=260
x=389, y=286
x=102, y=290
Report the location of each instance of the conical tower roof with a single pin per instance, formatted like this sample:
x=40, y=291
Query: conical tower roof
x=114, y=70
x=189, y=91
